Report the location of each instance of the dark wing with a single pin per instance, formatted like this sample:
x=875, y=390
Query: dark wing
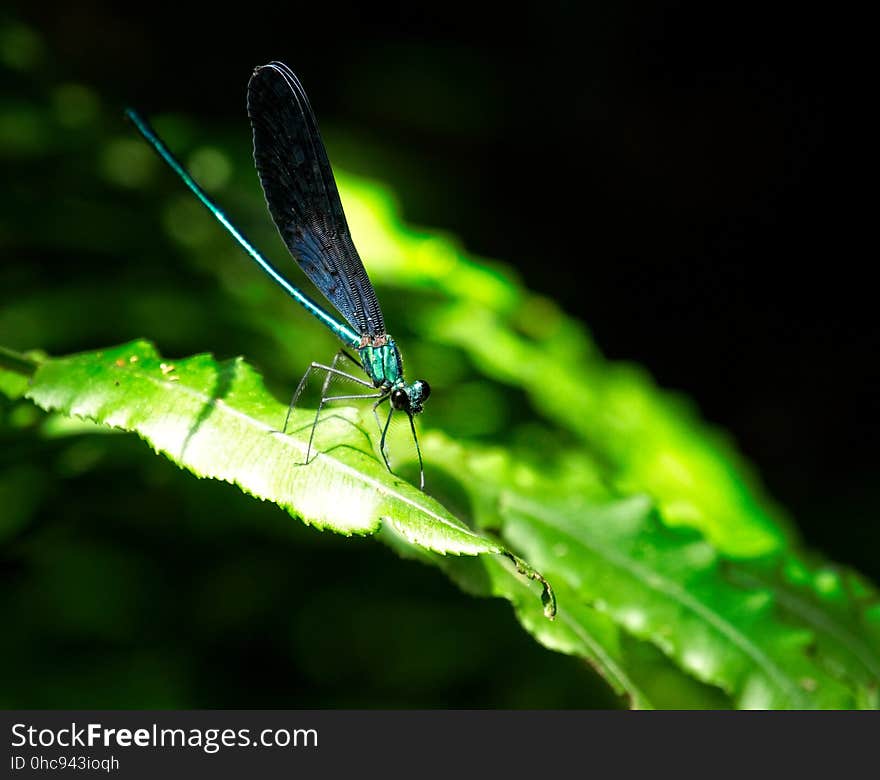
x=302, y=196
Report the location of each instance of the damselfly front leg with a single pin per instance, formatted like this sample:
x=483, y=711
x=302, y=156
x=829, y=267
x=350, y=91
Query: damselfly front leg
x=383, y=430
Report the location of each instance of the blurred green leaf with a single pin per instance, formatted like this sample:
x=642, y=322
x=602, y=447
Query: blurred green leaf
x=15, y=369
x=838, y=606
x=762, y=631
x=667, y=588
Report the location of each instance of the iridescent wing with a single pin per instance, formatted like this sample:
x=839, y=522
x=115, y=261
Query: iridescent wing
x=302, y=196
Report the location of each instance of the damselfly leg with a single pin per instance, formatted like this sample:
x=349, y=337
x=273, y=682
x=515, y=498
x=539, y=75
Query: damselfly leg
x=384, y=430
x=381, y=396
x=329, y=372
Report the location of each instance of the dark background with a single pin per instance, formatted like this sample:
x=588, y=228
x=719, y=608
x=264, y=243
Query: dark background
x=682, y=177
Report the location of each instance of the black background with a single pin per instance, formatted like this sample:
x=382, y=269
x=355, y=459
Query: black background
x=684, y=177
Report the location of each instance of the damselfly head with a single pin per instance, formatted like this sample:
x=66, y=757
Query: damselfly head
x=410, y=398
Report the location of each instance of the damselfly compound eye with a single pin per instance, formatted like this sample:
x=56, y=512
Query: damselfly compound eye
x=400, y=400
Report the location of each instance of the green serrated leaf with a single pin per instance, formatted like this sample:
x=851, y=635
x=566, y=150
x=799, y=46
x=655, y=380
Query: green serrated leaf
x=218, y=421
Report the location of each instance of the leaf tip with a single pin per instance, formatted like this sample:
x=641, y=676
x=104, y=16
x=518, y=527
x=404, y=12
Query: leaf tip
x=548, y=597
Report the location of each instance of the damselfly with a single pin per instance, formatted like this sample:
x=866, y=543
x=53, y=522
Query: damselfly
x=304, y=203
